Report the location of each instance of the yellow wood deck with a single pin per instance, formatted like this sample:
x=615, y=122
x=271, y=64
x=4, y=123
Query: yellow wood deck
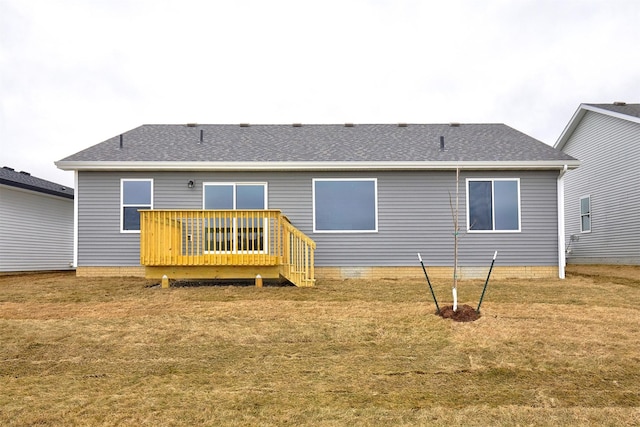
x=235, y=244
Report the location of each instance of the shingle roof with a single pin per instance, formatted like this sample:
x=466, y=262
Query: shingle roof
x=632, y=110
x=320, y=143
x=10, y=177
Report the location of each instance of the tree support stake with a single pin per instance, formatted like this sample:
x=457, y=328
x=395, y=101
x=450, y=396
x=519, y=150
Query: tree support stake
x=487, y=281
x=429, y=282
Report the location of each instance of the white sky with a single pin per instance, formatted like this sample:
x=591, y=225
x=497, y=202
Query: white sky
x=76, y=72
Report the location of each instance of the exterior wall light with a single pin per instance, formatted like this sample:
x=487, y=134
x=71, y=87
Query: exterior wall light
x=191, y=183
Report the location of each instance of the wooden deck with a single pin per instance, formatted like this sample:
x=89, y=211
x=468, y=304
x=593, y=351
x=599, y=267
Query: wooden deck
x=229, y=244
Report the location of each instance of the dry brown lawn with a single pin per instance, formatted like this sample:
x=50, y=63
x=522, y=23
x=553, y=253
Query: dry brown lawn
x=78, y=352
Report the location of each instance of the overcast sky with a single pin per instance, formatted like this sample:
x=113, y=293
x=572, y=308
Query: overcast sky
x=77, y=72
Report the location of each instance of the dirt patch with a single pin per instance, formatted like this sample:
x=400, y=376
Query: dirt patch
x=465, y=313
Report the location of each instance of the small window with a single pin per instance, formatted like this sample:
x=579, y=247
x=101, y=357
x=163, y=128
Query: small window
x=134, y=194
x=493, y=205
x=345, y=205
x=585, y=214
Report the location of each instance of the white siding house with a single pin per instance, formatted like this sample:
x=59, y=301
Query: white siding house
x=602, y=196
x=36, y=223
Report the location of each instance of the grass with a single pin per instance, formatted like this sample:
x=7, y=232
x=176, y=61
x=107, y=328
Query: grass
x=79, y=352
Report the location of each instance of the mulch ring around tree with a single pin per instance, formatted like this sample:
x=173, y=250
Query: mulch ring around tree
x=464, y=313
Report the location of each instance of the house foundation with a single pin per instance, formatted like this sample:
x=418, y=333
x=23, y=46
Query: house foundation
x=334, y=273
x=436, y=272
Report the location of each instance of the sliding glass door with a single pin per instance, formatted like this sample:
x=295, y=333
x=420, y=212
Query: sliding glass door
x=241, y=232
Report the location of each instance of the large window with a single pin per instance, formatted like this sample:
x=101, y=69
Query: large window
x=228, y=233
x=493, y=204
x=585, y=214
x=134, y=194
x=345, y=205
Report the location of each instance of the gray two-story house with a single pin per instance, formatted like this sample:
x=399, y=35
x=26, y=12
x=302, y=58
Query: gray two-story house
x=602, y=197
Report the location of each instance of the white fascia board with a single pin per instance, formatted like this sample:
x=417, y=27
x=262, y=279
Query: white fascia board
x=35, y=192
x=293, y=166
x=579, y=114
x=571, y=126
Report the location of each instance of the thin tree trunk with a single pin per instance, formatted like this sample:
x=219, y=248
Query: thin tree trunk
x=456, y=229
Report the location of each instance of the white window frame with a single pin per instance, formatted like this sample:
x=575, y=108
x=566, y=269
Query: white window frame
x=234, y=184
x=589, y=214
x=123, y=205
x=375, y=196
x=493, y=213
x=265, y=229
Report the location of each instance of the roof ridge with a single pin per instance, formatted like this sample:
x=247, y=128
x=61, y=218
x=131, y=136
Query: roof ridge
x=299, y=124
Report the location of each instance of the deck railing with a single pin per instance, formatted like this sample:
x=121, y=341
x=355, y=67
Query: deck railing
x=226, y=238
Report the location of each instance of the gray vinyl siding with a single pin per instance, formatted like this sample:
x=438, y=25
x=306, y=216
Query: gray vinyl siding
x=414, y=215
x=36, y=231
x=609, y=149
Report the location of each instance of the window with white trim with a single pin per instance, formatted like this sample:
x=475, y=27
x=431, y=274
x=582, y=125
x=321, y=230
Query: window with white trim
x=134, y=194
x=585, y=214
x=228, y=233
x=493, y=205
x=235, y=195
x=344, y=205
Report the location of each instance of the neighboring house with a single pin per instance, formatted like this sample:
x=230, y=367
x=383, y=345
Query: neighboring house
x=36, y=223
x=370, y=196
x=602, y=197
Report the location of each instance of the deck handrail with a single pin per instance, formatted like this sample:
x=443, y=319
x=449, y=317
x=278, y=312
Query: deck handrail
x=298, y=263
x=226, y=238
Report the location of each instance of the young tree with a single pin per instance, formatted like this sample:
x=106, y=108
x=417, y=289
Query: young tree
x=456, y=232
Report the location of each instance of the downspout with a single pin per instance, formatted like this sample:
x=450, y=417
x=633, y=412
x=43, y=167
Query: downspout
x=76, y=196
x=561, y=244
